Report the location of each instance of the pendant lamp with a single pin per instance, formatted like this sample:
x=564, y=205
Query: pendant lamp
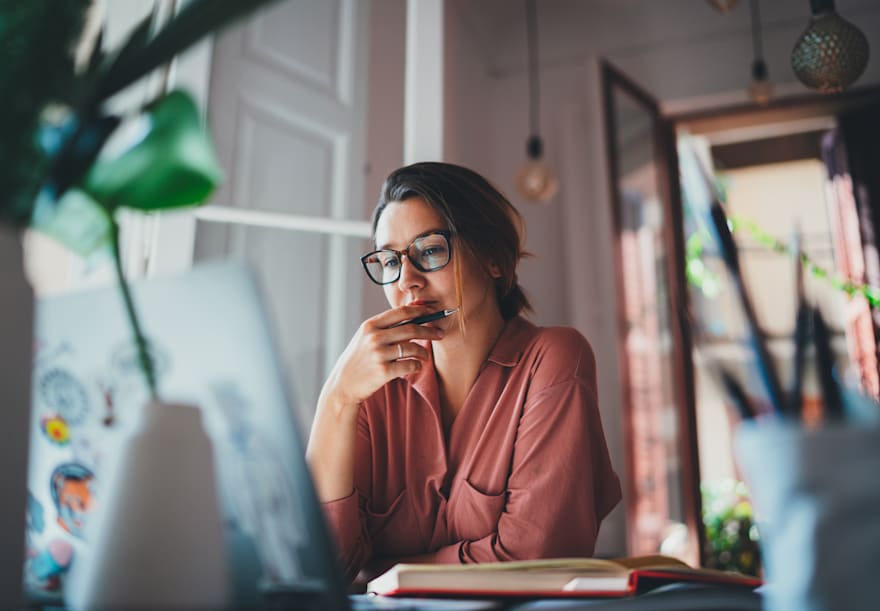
x=831, y=53
x=535, y=181
x=760, y=89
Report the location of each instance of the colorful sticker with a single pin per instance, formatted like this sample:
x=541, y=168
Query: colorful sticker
x=65, y=394
x=45, y=567
x=36, y=520
x=254, y=478
x=72, y=487
x=55, y=428
x=108, y=394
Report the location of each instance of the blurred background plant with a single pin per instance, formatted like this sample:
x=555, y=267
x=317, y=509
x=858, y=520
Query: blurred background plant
x=68, y=162
x=732, y=539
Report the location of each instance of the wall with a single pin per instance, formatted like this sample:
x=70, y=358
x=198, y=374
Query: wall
x=467, y=93
x=385, y=103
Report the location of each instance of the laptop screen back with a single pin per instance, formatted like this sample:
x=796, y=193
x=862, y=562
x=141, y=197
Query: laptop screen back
x=212, y=348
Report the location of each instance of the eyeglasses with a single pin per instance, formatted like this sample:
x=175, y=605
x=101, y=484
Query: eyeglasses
x=427, y=253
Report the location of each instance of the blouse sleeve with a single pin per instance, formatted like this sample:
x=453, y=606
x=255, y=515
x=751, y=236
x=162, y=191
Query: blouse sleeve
x=561, y=483
x=346, y=517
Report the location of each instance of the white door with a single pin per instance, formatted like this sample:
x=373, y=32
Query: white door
x=287, y=111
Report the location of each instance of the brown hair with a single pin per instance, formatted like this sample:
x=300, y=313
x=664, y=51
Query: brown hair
x=483, y=223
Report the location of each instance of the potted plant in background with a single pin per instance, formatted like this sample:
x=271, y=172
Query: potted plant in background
x=68, y=165
x=732, y=539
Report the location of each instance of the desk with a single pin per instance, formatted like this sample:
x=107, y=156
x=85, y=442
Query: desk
x=676, y=597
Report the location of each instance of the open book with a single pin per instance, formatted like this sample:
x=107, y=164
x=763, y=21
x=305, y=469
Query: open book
x=549, y=578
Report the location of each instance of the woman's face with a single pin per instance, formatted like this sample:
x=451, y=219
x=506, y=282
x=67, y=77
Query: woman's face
x=400, y=224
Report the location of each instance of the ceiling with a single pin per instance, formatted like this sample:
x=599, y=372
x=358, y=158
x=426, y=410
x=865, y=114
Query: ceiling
x=572, y=28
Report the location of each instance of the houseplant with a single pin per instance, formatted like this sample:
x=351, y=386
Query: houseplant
x=55, y=123
x=67, y=168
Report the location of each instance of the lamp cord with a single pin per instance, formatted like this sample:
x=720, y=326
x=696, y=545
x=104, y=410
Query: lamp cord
x=757, y=45
x=532, y=45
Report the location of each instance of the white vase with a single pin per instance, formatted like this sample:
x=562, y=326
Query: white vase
x=816, y=499
x=16, y=331
x=157, y=541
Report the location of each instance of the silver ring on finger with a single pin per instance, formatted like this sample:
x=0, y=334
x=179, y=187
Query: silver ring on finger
x=400, y=350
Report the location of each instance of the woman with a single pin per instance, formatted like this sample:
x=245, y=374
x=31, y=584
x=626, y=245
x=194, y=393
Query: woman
x=472, y=438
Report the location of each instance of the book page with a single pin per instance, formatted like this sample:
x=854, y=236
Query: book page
x=585, y=565
x=654, y=560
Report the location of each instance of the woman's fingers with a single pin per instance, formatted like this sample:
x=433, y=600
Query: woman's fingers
x=398, y=315
x=407, y=333
x=377, y=354
x=405, y=350
x=398, y=368
x=381, y=327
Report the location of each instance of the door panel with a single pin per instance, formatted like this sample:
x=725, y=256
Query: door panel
x=287, y=110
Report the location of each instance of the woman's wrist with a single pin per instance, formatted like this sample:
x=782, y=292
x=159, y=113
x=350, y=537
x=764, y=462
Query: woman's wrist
x=335, y=403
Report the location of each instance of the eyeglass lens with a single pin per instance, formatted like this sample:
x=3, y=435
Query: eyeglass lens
x=427, y=253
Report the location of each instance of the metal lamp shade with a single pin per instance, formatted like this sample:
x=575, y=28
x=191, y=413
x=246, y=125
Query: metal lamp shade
x=830, y=54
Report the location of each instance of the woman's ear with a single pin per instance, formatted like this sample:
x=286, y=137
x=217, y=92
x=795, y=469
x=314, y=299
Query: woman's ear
x=494, y=271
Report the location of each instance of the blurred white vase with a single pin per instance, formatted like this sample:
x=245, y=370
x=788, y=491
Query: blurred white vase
x=157, y=540
x=816, y=499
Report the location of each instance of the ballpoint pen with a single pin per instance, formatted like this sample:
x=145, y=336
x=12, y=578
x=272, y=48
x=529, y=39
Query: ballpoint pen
x=706, y=202
x=420, y=320
x=831, y=395
x=737, y=395
x=801, y=332
x=728, y=250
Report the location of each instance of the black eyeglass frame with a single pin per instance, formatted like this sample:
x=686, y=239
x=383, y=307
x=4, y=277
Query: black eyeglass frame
x=400, y=253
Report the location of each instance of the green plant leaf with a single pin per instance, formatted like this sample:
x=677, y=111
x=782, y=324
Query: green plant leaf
x=76, y=221
x=135, y=43
x=36, y=38
x=79, y=151
x=192, y=23
x=169, y=164
x=97, y=56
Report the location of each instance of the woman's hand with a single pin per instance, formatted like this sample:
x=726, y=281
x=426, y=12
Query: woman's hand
x=378, y=353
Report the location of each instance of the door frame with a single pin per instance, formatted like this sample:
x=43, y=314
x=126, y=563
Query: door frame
x=673, y=235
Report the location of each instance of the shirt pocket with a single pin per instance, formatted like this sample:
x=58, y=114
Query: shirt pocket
x=378, y=519
x=393, y=531
x=474, y=514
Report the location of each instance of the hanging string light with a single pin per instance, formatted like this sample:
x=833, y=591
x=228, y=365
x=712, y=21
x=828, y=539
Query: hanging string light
x=831, y=53
x=535, y=181
x=760, y=89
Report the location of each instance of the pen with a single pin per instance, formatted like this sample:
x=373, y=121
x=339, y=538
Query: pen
x=801, y=331
x=756, y=336
x=737, y=395
x=420, y=320
x=831, y=396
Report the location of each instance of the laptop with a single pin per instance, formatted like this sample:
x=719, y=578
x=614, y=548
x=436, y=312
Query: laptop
x=213, y=348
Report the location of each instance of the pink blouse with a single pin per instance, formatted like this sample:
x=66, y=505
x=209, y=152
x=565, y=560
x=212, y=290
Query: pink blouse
x=523, y=473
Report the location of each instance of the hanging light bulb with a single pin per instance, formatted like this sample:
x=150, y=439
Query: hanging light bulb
x=534, y=180
x=724, y=6
x=760, y=89
x=831, y=53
